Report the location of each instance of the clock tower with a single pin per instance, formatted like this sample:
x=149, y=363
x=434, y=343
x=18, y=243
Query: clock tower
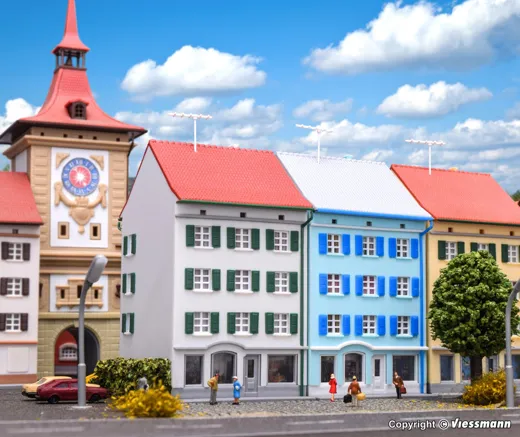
x=76, y=158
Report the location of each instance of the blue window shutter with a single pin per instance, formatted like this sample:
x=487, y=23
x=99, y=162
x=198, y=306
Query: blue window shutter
x=359, y=285
x=380, y=246
x=392, y=247
x=393, y=325
x=415, y=287
x=414, y=325
x=345, y=284
x=346, y=324
x=381, y=285
x=322, y=243
x=345, y=240
x=359, y=245
x=415, y=248
x=381, y=325
x=393, y=286
x=323, y=283
x=322, y=324
x=359, y=325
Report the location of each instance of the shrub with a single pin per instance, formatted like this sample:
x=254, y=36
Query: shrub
x=486, y=390
x=155, y=402
x=120, y=375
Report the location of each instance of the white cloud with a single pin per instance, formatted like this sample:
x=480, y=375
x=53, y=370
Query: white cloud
x=193, y=105
x=191, y=71
x=322, y=110
x=514, y=112
x=438, y=99
x=14, y=110
x=420, y=36
x=378, y=155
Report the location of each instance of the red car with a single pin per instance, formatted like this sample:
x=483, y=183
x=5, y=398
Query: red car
x=67, y=390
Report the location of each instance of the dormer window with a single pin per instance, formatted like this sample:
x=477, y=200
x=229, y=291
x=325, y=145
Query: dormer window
x=78, y=110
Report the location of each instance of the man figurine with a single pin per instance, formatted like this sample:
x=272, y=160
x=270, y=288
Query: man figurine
x=142, y=384
x=213, y=386
x=236, y=390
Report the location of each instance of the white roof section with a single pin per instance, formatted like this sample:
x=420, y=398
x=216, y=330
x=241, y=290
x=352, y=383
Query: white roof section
x=349, y=186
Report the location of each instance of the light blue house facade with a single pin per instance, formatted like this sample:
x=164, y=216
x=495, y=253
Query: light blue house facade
x=366, y=313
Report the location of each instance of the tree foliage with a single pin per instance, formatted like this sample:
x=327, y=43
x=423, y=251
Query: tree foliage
x=516, y=196
x=467, y=312
x=6, y=168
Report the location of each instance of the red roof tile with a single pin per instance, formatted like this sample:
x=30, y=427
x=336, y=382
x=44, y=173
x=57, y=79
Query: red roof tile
x=459, y=195
x=226, y=175
x=17, y=204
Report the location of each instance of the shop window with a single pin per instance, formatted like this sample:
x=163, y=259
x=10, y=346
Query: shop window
x=353, y=367
x=193, y=369
x=327, y=367
x=447, y=368
x=465, y=370
x=404, y=365
x=225, y=364
x=281, y=368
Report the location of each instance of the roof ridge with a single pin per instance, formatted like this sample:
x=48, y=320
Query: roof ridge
x=336, y=158
x=441, y=169
x=212, y=146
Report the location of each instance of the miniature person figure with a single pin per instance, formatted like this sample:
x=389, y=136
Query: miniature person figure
x=236, y=390
x=398, y=383
x=142, y=384
x=213, y=385
x=333, y=387
x=354, y=389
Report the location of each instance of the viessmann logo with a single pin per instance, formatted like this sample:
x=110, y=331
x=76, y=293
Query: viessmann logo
x=479, y=424
x=445, y=424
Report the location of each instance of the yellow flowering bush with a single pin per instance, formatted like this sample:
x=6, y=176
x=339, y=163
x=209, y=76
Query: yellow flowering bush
x=490, y=389
x=154, y=402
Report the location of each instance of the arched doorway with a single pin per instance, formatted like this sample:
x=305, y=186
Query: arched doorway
x=66, y=352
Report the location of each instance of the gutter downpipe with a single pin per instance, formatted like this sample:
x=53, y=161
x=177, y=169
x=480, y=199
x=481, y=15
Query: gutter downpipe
x=422, y=311
x=302, y=324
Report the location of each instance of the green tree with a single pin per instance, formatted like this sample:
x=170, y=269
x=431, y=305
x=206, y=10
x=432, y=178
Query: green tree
x=467, y=312
x=516, y=196
x=6, y=168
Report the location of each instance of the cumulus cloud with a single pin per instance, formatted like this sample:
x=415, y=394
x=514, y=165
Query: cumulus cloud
x=322, y=110
x=422, y=36
x=438, y=99
x=193, y=71
x=14, y=110
x=378, y=155
x=514, y=112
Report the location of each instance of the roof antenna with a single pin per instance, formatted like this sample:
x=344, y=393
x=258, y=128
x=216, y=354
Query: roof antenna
x=319, y=131
x=429, y=144
x=195, y=117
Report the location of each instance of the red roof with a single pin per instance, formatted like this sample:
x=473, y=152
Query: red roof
x=226, y=175
x=459, y=195
x=71, y=37
x=17, y=204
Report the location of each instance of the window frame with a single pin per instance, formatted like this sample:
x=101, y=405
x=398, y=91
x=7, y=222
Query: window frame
x=199, y=279
x=369, y=324
x=360, y=375
x=278, y=320
x=369, y=246
x=403, y=325
x=403, y=291
x=333, y=324
x=281, y=240
x=450, y=254
x=201, y=357
x=242, y=320
x=483, y=246
x=15, y=252
x=200, y=235
x=14, y=284
x=13, y=320
x=333, y=284
x=68, y=346
x=513, y=250
x=333, y=244
x=452, y=368
x=402, y=248
x=243, y=239
x=321, y=368
x=201, y=320
x=368, y=282
x=239, y=281
x=415, y=372
x=279, y=287
x=294, y=369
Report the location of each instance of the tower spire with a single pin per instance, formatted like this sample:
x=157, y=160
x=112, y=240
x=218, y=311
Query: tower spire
x=71, y=40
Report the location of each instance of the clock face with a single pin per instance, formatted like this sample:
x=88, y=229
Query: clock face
x=80, y=177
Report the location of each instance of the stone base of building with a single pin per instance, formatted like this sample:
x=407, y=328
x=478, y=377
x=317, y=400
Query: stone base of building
x=455, y=388
x=227, y=392
x=17, y=379
x=388, y=390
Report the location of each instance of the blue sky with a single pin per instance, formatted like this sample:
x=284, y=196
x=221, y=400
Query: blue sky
x=375, y=73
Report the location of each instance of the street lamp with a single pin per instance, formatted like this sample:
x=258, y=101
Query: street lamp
x=94, y=273
x=319, y=131
x=429, y=144
x=510, y=393
x=195, y=117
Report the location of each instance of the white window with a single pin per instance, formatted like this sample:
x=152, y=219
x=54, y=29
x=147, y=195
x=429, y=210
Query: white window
x=201, y=279
x=512, y=254
x=202, y=236
x=200, y=322
x=15, y=252
x=281, y=241
x=369, y=285
x=451, y=250
x=333, y=324
x=242, y=323
x=369, y=246
x=14, y=286
x=333, y=284
x=369, y=325
x=281, y=323
x=243, y=238
x=13, y=322
x=403, y=286
x=333, y=245
x=68, y=352
x=242, y=282
x=403, y=325
x=483, y=246
x=281, y=282
x=403, y=248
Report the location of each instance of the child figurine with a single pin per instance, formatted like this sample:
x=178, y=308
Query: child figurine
x=333, y=387
x=236, y=390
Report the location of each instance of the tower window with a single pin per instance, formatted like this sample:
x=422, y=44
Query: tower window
x=78, y=110
x=95, y=231
x=63, y=230
x=78, y=288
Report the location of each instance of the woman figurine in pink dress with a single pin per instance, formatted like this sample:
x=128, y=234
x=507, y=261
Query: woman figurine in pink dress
x=333, y=387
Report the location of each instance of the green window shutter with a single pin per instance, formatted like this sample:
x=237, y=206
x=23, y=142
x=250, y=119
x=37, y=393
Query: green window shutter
x=442, y=249
x=132, y=324
x=190, y=235
x=123, y=322
x=231, y=238
x=505, y=253
x=253, y=323
x=230, y=280
x=460, y=247
x=294, y=323
x=188, y=323
x=215, y=236
x=295, y=241
x=474, y=247
x=270, y=282
x=124, y=282
x=125, y=246
x=215, y=321
x=293, y=282
x=188, y=279
x=255, y=280
x=269, y=323
x=215, y=280
x=255, y=239
x=134, y=244
x=132, y=283
x=493, y=250
x=269, y=239
x=231, y=322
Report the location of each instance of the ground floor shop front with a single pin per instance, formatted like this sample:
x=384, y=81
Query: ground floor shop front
x=18, y=362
